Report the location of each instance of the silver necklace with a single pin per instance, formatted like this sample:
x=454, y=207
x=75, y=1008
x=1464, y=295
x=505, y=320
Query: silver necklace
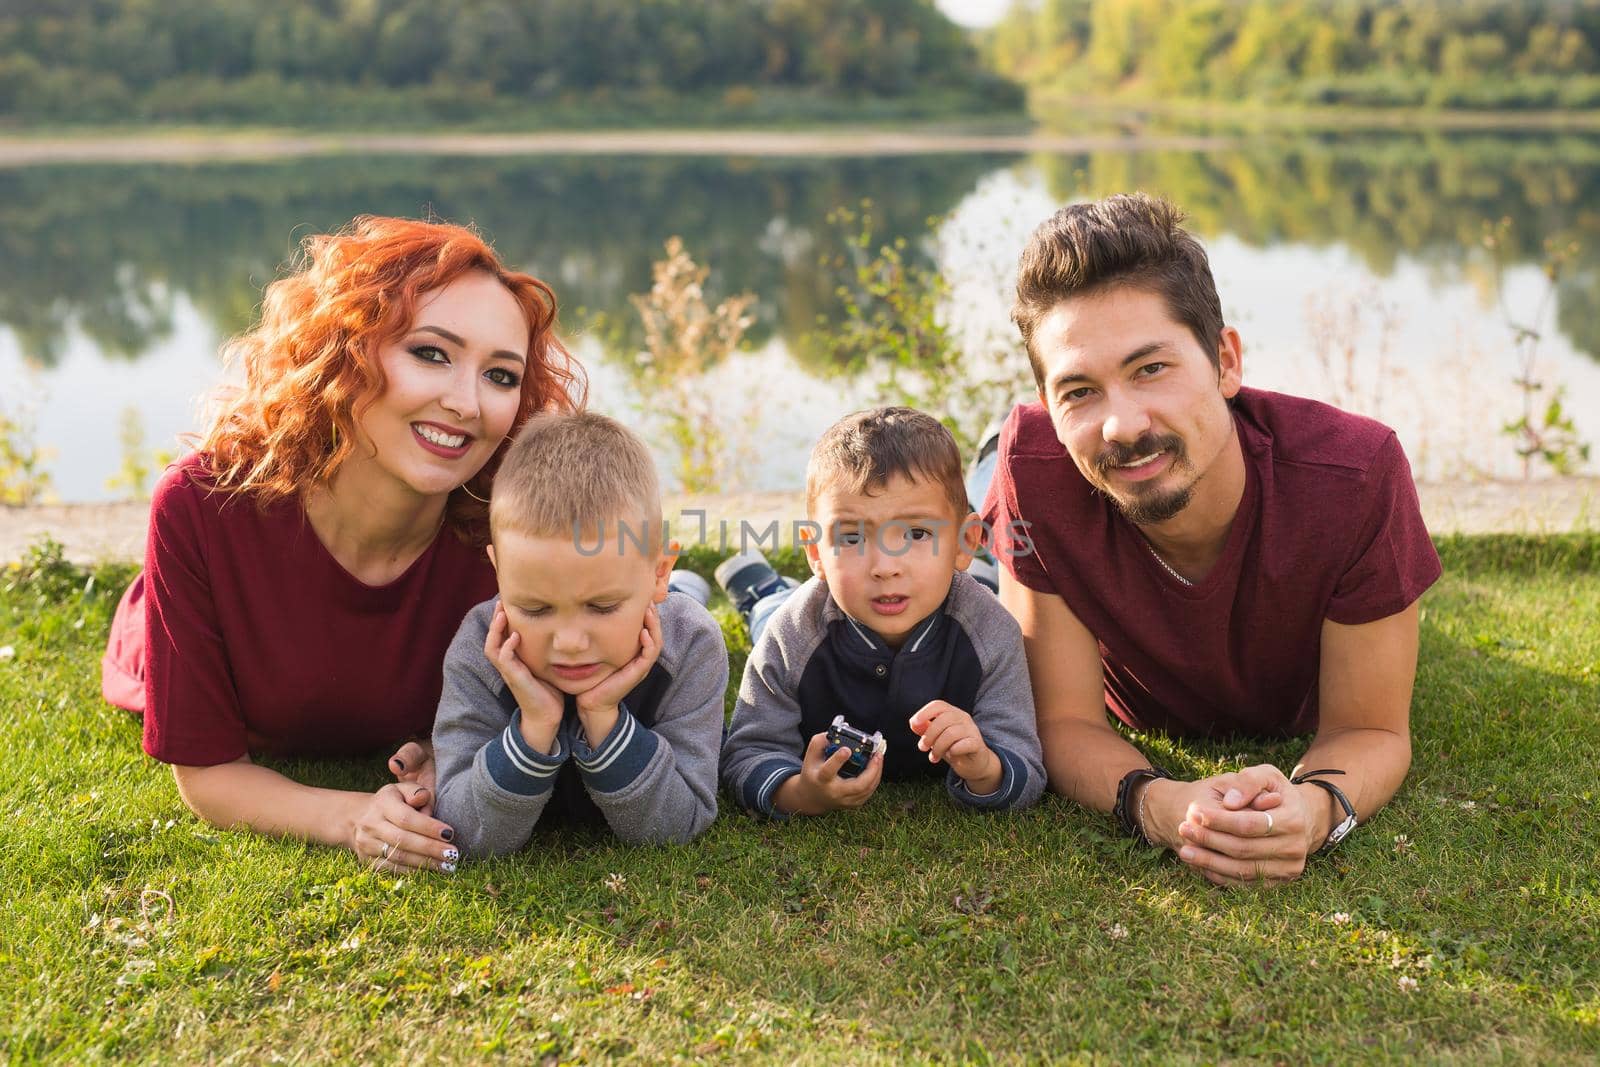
x=1164, y=564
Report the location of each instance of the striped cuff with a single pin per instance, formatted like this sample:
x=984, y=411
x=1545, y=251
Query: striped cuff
x=517, y=767
x=621, y=757
x=1012, y=777
x=762, y=782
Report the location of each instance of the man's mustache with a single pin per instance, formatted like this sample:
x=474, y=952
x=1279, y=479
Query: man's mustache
x=1117, y=454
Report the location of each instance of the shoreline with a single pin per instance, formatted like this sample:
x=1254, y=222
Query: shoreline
x=196, y=145
x=116, y=531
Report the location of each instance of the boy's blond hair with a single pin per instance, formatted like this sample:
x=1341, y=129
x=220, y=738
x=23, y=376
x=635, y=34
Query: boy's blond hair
x=862, y=451
x=578, y=474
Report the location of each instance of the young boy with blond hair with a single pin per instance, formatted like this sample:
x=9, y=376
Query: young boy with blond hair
x=585, y=689
x=889, y=632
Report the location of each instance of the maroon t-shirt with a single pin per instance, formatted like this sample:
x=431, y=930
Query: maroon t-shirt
x=1328, y=528
x=258, y=641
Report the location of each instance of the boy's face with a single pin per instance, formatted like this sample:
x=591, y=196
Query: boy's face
x=578, y=615
x=888, y=556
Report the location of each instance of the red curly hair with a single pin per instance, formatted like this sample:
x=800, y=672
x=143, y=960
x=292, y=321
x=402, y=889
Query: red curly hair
x=311, y=363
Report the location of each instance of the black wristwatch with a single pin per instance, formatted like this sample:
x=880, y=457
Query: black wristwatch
x=1345, y=825
x=1123, y=811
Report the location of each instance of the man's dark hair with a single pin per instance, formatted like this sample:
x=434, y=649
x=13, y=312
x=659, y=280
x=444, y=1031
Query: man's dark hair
x=1128, y=239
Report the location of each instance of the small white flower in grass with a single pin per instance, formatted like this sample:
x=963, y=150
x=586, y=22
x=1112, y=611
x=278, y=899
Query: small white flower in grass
x=1469, y=805
x=1118, y=932
x=1339, y=918
x=7, y=652
x=616, y=882
x=1408, y=984
x=1402, y=843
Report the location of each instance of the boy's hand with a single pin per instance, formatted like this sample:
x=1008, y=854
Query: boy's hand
x=413, y=765
x=541, y=703
x=818, y=789
x=947, y=733
x=597, y=708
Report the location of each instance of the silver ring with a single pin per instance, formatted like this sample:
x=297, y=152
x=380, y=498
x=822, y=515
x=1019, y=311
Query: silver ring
x=386, y=850
x=1268, y=814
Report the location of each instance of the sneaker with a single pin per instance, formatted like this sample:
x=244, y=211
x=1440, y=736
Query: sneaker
x=690, y=584
x=748, y=577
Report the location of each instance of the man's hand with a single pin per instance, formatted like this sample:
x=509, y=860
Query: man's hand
x=597, y=708
x=540, y=702
x=818, y=789
x=1248, y=828
x=947, y=733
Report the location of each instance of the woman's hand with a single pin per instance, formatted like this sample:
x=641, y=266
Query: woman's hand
x=393, y=831
x=413, y=764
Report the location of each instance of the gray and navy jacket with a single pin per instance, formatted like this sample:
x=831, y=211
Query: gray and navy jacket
x=653, y=779
x=814, y=662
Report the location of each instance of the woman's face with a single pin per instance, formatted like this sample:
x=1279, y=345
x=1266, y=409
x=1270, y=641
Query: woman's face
x=454, y=386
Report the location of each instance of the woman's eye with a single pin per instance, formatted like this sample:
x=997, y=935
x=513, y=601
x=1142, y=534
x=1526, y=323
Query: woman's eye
x=430, y=354
x=503, y=377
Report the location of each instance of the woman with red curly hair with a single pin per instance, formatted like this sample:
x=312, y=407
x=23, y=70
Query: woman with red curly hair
x=308, y=565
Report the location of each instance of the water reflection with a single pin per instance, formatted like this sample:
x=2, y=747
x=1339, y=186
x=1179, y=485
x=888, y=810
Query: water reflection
x=118, y=282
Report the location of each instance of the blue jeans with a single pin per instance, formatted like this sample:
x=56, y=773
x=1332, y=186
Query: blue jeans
x=764, y=609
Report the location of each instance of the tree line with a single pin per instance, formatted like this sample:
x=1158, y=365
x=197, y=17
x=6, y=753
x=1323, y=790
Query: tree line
x=1417, y=53
x=108, y=60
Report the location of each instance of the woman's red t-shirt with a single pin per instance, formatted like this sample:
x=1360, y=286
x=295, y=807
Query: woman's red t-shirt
x=255, y=640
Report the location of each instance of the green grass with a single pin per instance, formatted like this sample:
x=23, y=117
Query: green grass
x=907, y=931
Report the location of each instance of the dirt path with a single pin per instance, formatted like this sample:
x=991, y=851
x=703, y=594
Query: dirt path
x=117, y=531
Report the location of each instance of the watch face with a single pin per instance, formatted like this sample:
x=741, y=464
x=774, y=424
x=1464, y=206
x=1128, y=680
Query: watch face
x=1340, y=832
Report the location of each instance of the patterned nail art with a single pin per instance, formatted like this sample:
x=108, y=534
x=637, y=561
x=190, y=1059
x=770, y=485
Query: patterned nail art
x=448, y=868
x=451, y=855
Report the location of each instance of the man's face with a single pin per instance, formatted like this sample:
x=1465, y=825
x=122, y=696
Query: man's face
x=1137, y=403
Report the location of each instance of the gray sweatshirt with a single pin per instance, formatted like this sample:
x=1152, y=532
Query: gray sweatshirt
x=653, y=779
x=814, y=662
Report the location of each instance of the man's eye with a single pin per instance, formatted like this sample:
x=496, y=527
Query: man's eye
x=1152, y=368
x=1072, y=396
x=429, y=354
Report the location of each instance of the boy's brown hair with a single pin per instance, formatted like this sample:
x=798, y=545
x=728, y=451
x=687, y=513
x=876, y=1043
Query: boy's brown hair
x=861, y=452
x=577, y=474
x=1126, y=239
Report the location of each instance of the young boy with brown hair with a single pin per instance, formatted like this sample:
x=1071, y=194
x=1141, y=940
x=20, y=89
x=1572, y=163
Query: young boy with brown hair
x=889, y=633
x=585, y=689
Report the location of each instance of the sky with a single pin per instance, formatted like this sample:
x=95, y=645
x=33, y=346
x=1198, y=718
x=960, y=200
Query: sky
x=974, y=12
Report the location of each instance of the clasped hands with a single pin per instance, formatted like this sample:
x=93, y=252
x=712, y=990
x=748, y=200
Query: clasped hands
x=1247, y=828
x=945, y=732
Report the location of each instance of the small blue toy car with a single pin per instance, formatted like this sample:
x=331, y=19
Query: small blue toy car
x=862, y=745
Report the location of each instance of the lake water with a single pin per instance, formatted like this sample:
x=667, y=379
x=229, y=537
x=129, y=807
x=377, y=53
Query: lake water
x=1354, y=265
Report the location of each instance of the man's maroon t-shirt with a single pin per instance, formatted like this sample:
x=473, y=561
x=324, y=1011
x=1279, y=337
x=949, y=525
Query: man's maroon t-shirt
x=258, y=641
x=1328, y=528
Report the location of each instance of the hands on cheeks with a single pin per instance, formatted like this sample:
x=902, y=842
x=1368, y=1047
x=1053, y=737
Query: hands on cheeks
x=818, y=788
x=1248, y=828
x=540, y=702
x=597, y=707
x=948, y=734
x=394, y=831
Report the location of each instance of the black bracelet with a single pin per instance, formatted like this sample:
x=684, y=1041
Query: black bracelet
x=1122, y=811
x=1342, y=830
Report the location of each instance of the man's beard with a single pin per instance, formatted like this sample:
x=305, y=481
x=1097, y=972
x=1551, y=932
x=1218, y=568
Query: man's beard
x=1141, y=505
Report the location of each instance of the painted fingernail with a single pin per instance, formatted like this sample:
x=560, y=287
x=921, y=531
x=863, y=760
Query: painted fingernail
x=452, y=855
x=448, y=834
x=398, y=762
x=448, y=868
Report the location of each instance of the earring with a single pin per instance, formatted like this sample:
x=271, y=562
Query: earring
x=465, y=488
